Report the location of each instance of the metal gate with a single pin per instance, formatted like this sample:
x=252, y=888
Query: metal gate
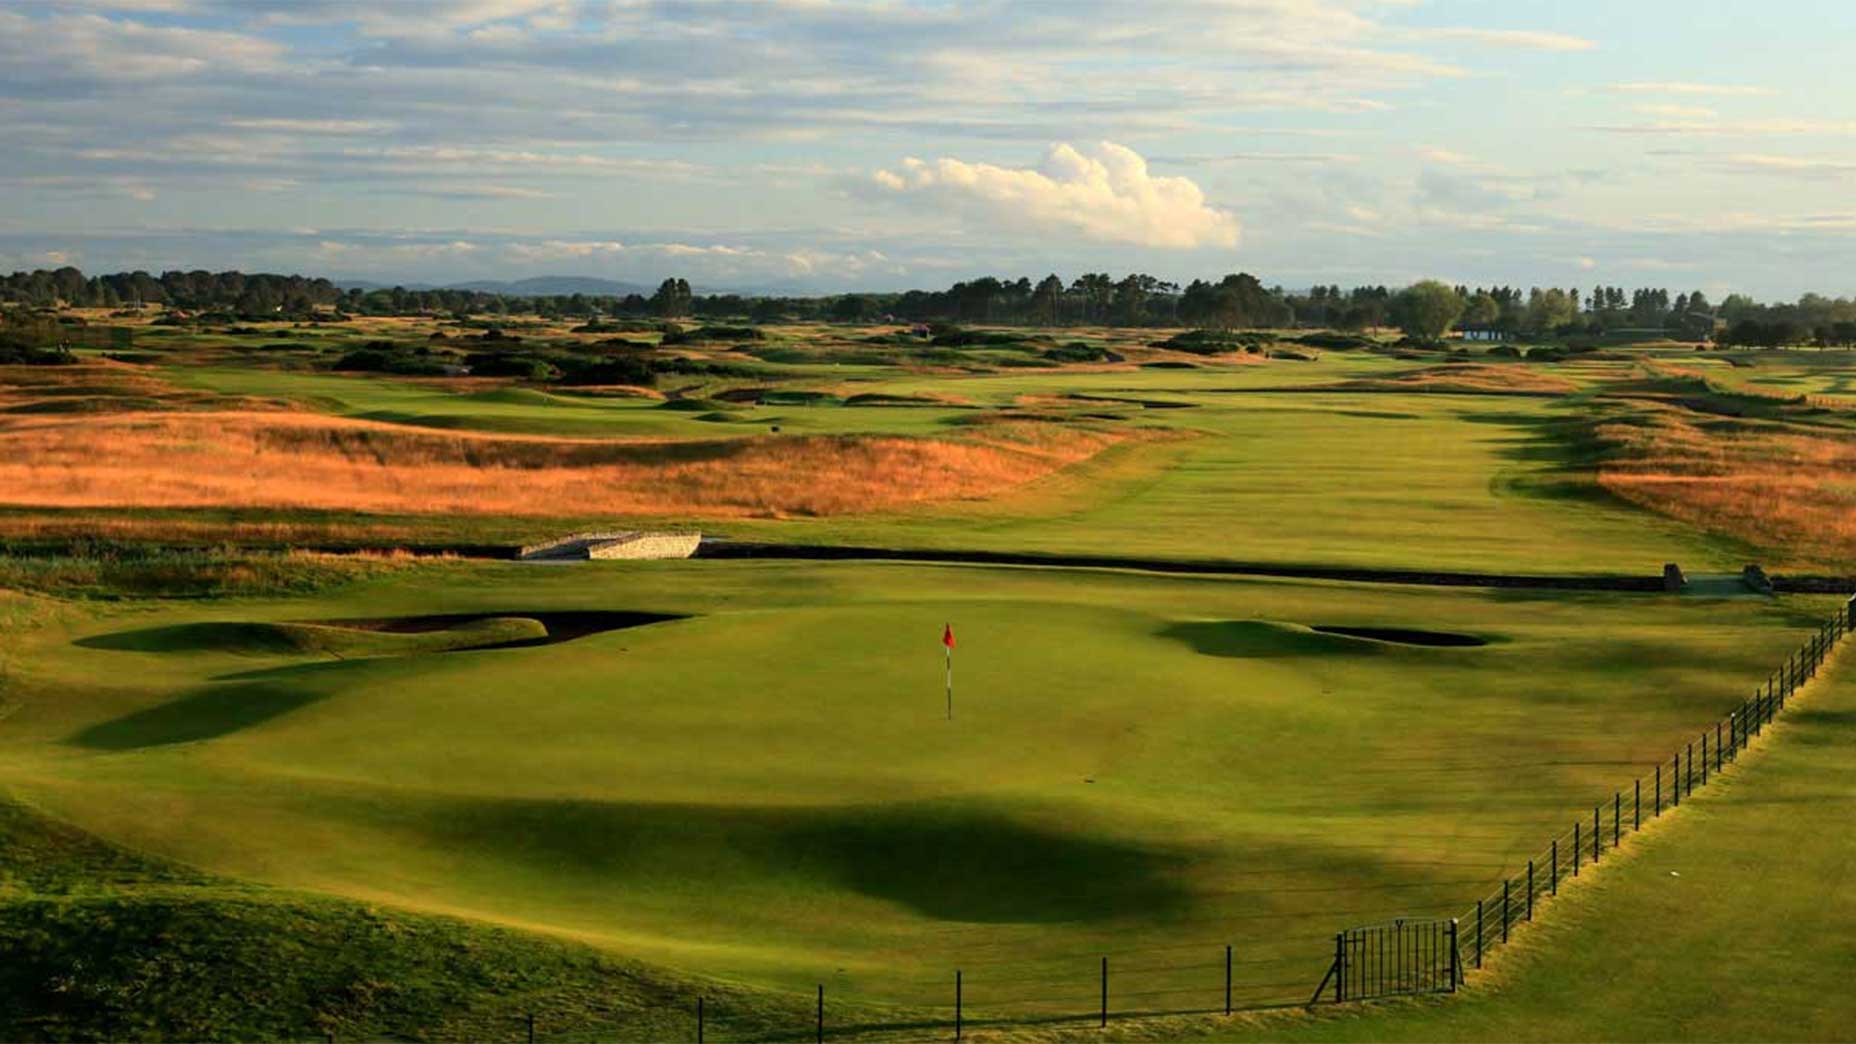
x=1397, y=959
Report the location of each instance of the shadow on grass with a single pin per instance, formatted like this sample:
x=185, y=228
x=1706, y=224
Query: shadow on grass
x=207, y=714
x=951, y=862
x=1264, y=639
x=196, y=637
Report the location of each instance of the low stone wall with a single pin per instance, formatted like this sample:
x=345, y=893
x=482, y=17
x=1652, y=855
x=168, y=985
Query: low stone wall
x=623, y=543
x=646, y=545
x=573, y=543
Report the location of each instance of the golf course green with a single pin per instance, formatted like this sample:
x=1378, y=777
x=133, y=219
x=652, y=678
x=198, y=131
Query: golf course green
x=763, y=786
x=382, y=795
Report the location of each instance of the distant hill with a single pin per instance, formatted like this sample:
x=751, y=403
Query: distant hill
x=537, y=286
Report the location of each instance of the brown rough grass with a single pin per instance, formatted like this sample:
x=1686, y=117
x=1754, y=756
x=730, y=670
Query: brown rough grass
x=1470, y=377
x=296, y=460
x=103, y=387
x=1789, y=491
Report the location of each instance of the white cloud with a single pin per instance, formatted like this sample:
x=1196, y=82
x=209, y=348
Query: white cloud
x=1318, y=158
x=1102, y=192
x=1786, y=166
x=1452, y=158
x=415, y=157
x=1737, y=128
x=119, y=50
x=1678, y=112
x=292, y=125
x=1719, y=90
x=1523, y=39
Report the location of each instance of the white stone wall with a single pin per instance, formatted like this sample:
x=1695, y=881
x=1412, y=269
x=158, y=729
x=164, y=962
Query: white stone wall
x=646, y=545
x=627, y=543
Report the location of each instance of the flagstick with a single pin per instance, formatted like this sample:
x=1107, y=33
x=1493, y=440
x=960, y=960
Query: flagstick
x=950, y=683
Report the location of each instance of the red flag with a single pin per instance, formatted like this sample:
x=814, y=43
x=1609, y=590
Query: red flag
x=947, y=636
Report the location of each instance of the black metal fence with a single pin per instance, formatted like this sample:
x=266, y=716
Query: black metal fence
x=1400, y=959
x=1584, y=844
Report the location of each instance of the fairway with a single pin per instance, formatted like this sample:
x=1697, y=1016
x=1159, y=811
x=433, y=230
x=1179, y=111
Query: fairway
x=1269, y=463
x=761, y=784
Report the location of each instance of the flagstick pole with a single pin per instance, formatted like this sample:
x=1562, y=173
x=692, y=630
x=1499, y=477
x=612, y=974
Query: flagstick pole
x=950, y=683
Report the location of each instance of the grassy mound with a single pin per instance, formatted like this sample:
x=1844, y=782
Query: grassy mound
x=104, y=943
x=307, y=639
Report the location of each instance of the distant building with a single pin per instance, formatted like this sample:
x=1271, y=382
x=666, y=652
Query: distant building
x=1481, y=333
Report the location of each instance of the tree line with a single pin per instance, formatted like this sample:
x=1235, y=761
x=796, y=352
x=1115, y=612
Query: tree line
x=1425, y=311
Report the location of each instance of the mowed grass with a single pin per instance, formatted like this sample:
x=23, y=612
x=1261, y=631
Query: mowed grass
x=767, y=790
x=1729, y=920
x=1216, y=462
x=1380, y=479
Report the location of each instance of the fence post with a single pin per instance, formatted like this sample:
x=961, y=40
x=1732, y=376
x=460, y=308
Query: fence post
x=1553, y=866
x=1105, y=991
x=1688, y=776
x=1478, y=935
x=1576, y=848
x=531, y=1028
x=1636, y=804
x=1504, y=910
x=1530, y=889
x=699, y=1020
x=1659, y=788
x=1617, y=818
x=1227, y=980
x=821, y=1013
x=957, y=1004
x=1704, y=759
x=1595, y=836
x=1675, y=781
x=1456, y=958
x=1340, y=966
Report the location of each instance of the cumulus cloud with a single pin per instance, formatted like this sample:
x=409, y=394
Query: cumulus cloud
x=1103, y=192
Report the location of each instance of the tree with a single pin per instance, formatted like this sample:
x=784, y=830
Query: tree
x=1482, y=310
x=672, y=298
x=852, y=308
x=1047, y=298
x=1425, y=311
x=1548, y=310
x=1096, y=290
x=1130, y=299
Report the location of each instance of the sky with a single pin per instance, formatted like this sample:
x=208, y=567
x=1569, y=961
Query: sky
x=814, y=146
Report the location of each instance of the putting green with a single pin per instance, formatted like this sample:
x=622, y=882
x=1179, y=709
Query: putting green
x=767, y=788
